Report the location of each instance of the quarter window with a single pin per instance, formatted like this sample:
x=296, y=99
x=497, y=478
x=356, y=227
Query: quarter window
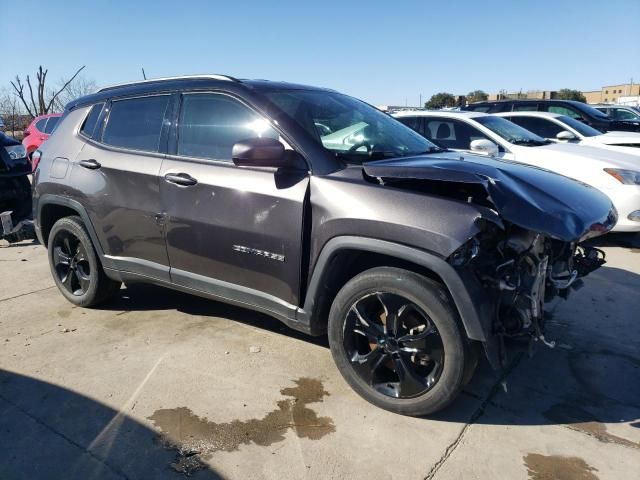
x=51, y=125
x=90, y=122
x=41, y=124
x=136, y=123
x=210, y=124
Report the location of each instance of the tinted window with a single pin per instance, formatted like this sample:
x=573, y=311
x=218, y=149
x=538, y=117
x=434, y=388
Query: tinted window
x=582, y=128
x=540, y=126
x=51, y=124
x=511, y=132
x=525, y=107
x=210, y=124
x=40, y=124
x=136, y=123
x=564, y=111
x=452, y=133
x=478, y=108
x=90, y=122
x=621, y=114
x=412, y=122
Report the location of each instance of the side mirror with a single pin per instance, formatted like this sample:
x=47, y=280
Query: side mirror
x=484, y=147
x=260, y=152
x=565, y=136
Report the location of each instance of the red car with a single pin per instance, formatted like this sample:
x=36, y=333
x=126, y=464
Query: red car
x=38, y=131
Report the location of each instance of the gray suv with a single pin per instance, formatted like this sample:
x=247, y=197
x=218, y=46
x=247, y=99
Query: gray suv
x=317, y=209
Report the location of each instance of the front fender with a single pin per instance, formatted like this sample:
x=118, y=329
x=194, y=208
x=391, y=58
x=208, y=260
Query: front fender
x=474, y=307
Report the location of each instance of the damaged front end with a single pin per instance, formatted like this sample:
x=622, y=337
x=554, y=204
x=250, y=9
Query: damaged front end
x=521, y=270
x=531, y=225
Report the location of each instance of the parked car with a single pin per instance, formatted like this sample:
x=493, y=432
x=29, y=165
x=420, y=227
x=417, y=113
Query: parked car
x=39, y=131
x=614, y=173
x=15, y=191
x=231, y=189
x=578, y=110
x=560, y=128
x=620, y=112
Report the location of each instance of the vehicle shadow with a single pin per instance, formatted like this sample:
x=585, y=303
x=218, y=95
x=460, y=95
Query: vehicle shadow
x=145, y=297
x=48, y=431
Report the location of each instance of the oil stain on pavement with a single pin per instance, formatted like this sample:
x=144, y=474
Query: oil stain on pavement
x=553, y=467
x=194, y=437
x=580, y=420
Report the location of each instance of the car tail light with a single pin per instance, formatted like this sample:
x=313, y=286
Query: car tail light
x=35, y=159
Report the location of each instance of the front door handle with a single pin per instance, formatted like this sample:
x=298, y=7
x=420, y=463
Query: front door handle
x=182, y=179
x=90, y=164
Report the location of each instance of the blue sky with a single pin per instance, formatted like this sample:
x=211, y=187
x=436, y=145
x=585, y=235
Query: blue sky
x=385, y=52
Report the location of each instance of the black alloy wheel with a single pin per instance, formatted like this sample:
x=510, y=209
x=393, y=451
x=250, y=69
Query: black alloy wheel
x=71, y=263
x=75, y=265
x=393, y=345
x=398, y=341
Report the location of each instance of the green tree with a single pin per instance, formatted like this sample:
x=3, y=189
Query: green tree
x=569, y=94
x=440, y=100
x=477, y=96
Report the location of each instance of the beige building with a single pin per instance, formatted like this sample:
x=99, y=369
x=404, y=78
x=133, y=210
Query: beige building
x=611, y=93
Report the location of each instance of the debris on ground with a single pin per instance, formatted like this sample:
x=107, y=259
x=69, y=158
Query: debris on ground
x=254, y=349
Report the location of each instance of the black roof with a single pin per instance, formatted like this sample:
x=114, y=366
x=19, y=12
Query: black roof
x=196, y=82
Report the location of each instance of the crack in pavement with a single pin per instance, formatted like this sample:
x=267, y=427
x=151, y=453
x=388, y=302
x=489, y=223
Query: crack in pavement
x=69, y=440
x=473, y=419
x=27, y=293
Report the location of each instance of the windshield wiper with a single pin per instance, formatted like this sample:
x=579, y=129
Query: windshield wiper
x=530, y=142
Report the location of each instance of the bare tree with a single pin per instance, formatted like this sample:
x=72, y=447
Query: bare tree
x=45, y=98
x=12, y=113
x=77, y=88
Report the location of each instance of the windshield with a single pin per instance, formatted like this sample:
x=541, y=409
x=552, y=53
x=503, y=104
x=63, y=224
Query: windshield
x=582, y=129
x=348, y=127
x=511, y=132
x=589, y=110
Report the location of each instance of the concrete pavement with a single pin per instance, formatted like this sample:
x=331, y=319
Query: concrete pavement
x=159, y=384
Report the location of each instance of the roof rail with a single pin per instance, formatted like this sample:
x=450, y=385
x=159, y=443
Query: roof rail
x=162, y=79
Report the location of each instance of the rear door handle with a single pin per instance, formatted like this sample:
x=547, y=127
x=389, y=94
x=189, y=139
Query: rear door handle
x=183, y=179
x=90, y=164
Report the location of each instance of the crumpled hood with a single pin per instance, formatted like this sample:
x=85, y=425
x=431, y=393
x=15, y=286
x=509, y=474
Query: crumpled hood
x=530, y=197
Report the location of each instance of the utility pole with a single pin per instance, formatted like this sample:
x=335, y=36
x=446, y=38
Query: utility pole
x=420, y=104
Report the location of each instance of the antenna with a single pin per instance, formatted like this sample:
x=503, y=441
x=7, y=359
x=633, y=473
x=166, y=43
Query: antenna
x=144, y=75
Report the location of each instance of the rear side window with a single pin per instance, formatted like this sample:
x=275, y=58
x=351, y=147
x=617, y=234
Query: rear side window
x=414, y=123
x=136, y=123
x=210, y=124
x=51, y=125
x=525, y=107
x=89, y=125
x=41, y=124
x=569, y=112
x=451, y=133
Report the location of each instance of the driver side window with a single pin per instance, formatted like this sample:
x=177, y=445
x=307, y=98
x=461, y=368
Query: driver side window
x=210, y=124
x=451, y=133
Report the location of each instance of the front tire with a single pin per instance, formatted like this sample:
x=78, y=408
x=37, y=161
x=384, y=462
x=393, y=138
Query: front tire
x=397, y=340
x=75, y=266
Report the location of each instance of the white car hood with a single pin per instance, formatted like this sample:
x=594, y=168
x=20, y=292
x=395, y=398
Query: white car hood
x=613, y=138
x=580, y=162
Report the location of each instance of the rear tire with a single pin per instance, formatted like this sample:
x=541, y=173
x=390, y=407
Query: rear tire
x=413, y=361
x=75, y=265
